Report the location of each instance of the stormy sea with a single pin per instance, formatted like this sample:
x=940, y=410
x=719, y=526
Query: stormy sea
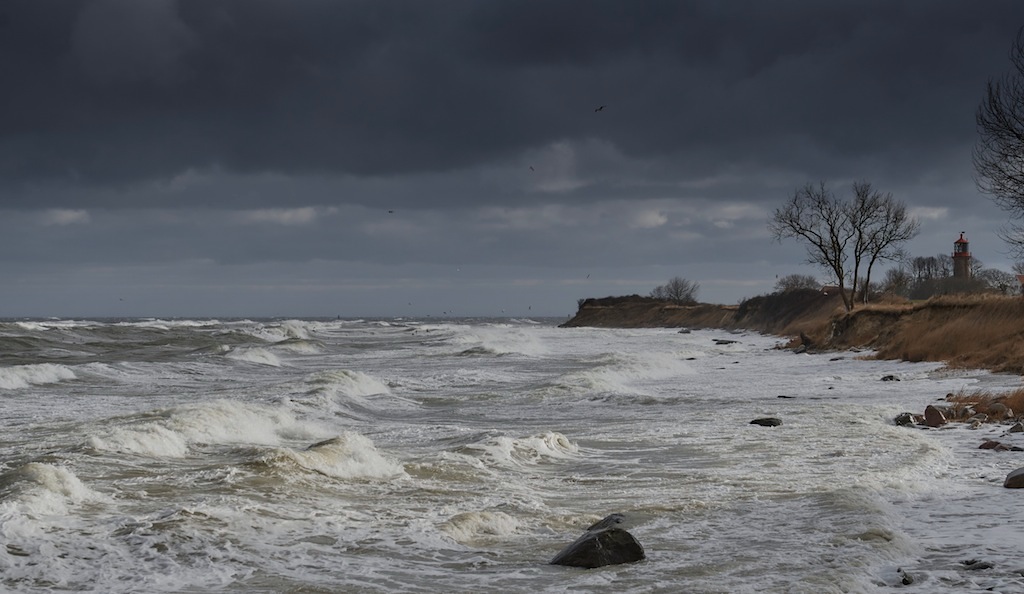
x=427, y=455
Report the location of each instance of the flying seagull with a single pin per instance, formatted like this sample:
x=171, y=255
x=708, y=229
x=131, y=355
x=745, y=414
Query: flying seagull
x=601, y=108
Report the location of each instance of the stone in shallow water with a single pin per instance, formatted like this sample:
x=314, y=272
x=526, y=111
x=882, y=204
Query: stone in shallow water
x=767, y=422
x=1015, y=480
x=602, y=544
x=933, y=417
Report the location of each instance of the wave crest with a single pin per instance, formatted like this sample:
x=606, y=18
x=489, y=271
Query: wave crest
x=535, y=449
x=38, y=489
x=349, y=455
x=23, y=376
x=471, y=527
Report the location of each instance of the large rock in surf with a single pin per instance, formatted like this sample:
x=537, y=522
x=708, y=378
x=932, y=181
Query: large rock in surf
x=767, y=422
x=1015, y=480
x=933, y=417
x=602, y=544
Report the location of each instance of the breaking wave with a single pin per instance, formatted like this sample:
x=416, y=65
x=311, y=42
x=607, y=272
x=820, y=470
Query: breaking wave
x=348, y=456
x=222, y=422
x=535, y=449
x=22, y=376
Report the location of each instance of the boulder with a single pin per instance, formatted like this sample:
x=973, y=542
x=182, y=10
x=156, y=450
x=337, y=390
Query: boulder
x=904, y=419
x=602, y=544
x=767, y=422
x=1018, y=428
x=1015, y=480
x=999, y=411
x=992, y=444
x=905, y=578
x=890, y=378
x=933, y=417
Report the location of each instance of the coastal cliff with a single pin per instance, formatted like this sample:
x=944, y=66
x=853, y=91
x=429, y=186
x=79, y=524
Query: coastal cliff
x=783, y=314
x=980, y=331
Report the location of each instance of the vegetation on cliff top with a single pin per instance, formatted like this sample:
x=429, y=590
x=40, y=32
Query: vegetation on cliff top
x=967, y=331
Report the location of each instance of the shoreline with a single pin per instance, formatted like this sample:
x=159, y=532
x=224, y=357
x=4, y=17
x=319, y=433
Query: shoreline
x=961, y=331
x=982, y=332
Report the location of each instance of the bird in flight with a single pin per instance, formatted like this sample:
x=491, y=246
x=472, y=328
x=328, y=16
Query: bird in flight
x=600, y=108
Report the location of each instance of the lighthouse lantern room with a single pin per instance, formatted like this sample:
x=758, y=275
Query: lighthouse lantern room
x=961, y=258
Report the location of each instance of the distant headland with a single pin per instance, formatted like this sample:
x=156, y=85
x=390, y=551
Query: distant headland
x=967, y=331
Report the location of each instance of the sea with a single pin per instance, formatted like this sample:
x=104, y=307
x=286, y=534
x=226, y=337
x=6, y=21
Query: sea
x=461, y=455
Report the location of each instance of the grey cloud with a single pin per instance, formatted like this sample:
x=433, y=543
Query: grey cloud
x=113, y=93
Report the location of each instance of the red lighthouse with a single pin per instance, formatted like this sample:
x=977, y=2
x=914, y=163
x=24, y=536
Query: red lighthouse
x=961, y=258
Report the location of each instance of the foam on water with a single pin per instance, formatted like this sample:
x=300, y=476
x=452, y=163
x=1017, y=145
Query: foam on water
x=498, y=340
x=462, y=457
x=347, y=456
x=220, y=422
x=349, y=392
x=625, y=374
x=37, y=489
x=22, y=376
x=346, y=382
x=480, y=527
x=257, y=355
x=280, y=331
x=503, y=450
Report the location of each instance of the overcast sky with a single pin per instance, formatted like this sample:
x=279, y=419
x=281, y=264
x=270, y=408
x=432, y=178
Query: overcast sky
x=384, y=158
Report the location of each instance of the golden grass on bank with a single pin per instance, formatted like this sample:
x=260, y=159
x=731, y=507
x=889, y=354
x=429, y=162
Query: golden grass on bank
x=982, y=400
x=965, y=331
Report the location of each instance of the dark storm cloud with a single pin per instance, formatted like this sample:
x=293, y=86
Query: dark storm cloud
x=109, y=94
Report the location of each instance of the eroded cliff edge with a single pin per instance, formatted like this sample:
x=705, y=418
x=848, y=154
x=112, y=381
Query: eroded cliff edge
x=979, y=331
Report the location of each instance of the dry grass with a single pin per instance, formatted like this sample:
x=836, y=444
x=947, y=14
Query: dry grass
x=965, y=331
x=982, y=401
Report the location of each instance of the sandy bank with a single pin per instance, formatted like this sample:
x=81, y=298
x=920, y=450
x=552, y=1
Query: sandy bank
x=969, y=331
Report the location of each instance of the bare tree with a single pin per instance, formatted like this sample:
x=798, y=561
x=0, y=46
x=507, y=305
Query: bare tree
x=881, y=226
x=870, y=227
x=793, y=282
x=999, y=149
x=814, y=215
x=897, y=281
x=998, y=280
x=678, y=290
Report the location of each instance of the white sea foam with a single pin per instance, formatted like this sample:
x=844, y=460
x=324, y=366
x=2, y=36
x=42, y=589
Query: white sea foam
x=280, y=331
x=534, y=449
x=44, y=489
x=469, y=489
x=626, y=374
x=259, y=356
x=346, y=391
x=22, y=376
x=301, y=347
x=221, y=422
x=345, y=382
x=499, y=340
x=348, y=456
x=473, y=527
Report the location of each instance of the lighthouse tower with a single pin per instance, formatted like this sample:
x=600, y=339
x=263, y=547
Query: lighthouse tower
x=961, y=258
